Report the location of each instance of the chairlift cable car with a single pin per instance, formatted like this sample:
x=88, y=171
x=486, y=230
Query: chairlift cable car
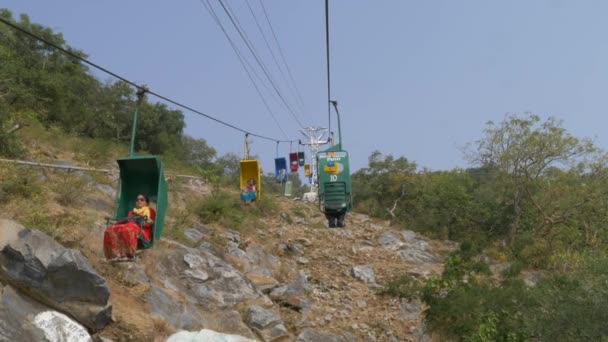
x=280, y=167
x=140, y=174
x=250, y=169
x=293, y=162
x=335, y=188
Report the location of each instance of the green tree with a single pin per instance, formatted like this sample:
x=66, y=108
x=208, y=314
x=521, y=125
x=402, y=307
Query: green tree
x=521, y=150
x=384, y=184
x=228, y=168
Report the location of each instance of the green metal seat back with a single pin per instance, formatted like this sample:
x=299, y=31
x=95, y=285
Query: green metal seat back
x=335, y=189
x=142, y=175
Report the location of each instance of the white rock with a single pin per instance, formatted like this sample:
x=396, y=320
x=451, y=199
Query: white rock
x=206, y=335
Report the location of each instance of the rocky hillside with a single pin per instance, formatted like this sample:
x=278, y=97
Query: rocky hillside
x=285, y=278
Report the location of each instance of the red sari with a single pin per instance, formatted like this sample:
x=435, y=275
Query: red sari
x=120, y=239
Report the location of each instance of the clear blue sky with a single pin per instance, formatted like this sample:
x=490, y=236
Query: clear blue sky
x=413, y=78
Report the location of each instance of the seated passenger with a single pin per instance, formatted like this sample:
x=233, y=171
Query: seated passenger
x=282, y=176
x=248, y=193
x=120, y=239
x=143, y=215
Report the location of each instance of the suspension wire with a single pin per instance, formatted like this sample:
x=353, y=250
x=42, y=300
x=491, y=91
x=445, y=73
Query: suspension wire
x=327, y=52
x=248, y=42
x=274, y=57
x=238, y=52
x=243, y=62
x=138, y=87
x=262, y=66
x=276, y=40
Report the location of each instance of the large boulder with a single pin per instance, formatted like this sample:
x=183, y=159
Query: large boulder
x=364, y=273
x=176, y=314
x=206, y=335
x=415, y=250
x=312, y=335
x=204, y=279
x=267, y=324
x=293, y=294
x=58, y=277
x=23, y=319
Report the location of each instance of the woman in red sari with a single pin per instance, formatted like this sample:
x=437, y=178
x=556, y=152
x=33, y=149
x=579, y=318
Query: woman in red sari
x=120, y=239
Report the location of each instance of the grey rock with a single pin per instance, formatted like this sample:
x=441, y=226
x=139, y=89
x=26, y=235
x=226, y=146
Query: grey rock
x=194, y=235
x=265, y=323
x=179, y=316
x=408, y=235
x=23, y=319
x=410, y=310
x=260, y=318
x=238, y=258
x=206, y=335
x=232, y=236
x=206, y=246
x=364, y=273
x=197, y=275
x=291, y=248
x=229, y=322
x=132, y=274
x=225, y=287
x=293, y=294
x=313, y=335
x=390, y=242
x=279, y=292
x=285, y=216
x=301, y=220
x=58, y=277
x=417, y=251
x=263, y=280
x=259, y=259
x=302, y=260
x=376, y=227
x=366, y=249
x=417, y=256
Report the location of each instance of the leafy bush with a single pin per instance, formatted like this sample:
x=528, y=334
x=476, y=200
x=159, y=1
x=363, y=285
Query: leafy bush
x=404, y=286
x=19, y=182
x=70, y=187
x=223, y=208
x=564, y=307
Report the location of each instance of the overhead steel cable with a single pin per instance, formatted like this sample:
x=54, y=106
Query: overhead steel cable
x=238, y=52
x=243, y=33
x=276, y=40
x=138, y=87
x=243, y=62
x=274, y=57
x=327, y=53
x=271, y=91
x=260, y=63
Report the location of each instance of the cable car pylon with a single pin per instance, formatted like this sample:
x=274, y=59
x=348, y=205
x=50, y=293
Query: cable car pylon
x=315, y=137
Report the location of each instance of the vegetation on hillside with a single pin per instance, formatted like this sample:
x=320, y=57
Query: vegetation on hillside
x=535, y=201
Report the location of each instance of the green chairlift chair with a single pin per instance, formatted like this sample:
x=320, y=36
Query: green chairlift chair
x=141, y=175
